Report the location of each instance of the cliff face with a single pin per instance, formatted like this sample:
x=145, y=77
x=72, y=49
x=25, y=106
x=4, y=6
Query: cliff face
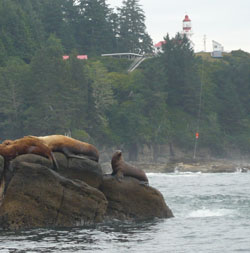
x=77, y=194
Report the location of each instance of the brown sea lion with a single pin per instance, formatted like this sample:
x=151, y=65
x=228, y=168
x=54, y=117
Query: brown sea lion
x=121, y=168
x=11, y=149
x=72, y=148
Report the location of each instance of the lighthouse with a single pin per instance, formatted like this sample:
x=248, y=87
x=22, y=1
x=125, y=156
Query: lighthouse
x=187, y=27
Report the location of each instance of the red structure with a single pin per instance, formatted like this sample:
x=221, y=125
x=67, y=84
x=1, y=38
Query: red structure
x=80, y=57
x=158, y=46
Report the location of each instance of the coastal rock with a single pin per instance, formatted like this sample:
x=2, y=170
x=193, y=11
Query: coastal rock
x=39, y=197
x=73, y=168
x=83, y=169
x=130, y=200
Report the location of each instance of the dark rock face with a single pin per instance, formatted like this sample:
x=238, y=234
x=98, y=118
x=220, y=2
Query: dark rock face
x=83, y=169
x=39, y=197
x=128, y=200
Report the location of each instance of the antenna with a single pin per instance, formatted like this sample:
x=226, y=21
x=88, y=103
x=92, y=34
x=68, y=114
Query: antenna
x=199, y=111
x=205, y=42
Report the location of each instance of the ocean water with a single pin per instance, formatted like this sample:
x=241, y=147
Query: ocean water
x=212, y=214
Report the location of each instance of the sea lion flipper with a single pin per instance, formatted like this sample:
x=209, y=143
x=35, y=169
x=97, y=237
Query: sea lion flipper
x=144, y=183
x=54, y=161
x=82, y=157
x=119, y=175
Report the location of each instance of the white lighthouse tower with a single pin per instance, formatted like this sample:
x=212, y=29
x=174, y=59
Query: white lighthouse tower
x=187, y=27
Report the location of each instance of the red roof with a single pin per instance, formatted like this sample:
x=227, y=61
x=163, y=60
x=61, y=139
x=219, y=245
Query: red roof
x=186, y=19
x=159, y=44
x=80, y=57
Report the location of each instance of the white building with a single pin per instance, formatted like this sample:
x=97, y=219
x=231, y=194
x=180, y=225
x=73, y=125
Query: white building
x=217, y=49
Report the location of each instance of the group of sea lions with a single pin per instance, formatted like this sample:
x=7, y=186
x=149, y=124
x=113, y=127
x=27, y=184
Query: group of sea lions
x=72, y=148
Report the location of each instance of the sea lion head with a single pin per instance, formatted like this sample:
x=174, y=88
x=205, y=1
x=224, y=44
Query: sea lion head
x=7, y=142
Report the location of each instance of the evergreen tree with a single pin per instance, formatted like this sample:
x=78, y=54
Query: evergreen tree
x=95, y=33
x=12, y=86
x=77, y=96
x=100, y=100
x=181, y=69
x=46, y=98
x=37, y=32
x=3, y=54
x=133, y=36
x=16, y=34
x=229, y=107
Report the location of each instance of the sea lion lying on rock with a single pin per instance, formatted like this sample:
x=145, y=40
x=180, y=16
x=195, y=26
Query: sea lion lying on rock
x=11, y=149
x=72, y=148
x=121, y=168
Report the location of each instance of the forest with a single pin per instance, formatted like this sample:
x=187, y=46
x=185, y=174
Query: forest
x=166, y=100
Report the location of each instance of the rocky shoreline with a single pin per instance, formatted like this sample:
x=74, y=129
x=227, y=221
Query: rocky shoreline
x=203, y=166
x=189, y=165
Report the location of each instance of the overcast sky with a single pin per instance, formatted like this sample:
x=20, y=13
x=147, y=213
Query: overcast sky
x=224, y=21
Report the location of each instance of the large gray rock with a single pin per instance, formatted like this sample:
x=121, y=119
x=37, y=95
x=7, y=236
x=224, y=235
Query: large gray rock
x=39, y=197
x=130, y=200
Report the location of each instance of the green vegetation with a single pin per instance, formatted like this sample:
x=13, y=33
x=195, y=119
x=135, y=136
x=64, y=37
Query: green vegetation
x=96, y=100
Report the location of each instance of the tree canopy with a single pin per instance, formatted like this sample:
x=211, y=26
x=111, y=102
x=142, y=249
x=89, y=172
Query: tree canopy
x=97, y=100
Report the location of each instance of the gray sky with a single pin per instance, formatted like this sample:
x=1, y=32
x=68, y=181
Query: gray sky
x=225, y=21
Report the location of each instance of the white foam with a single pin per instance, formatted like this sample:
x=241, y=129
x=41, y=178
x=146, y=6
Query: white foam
x=200, y=213
x=175, y=174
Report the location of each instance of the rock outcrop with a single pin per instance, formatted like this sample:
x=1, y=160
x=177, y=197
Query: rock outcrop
x=128, y=199
x=75, y=195
x=39, y=197
x=83, y=169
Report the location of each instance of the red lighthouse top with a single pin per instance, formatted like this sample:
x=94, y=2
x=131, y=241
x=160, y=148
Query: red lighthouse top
x=187, y=25
x=186, y=19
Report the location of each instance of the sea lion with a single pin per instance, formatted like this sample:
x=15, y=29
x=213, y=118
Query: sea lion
x=10, y=149
x=26, y=145
x=72, y=148
x=121, y=168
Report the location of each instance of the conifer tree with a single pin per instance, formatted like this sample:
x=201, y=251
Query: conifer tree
x=46, y=97
x=95, y=31
x=12, y=86
x=15, y=30
x=181, y=70
x=133, y=36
